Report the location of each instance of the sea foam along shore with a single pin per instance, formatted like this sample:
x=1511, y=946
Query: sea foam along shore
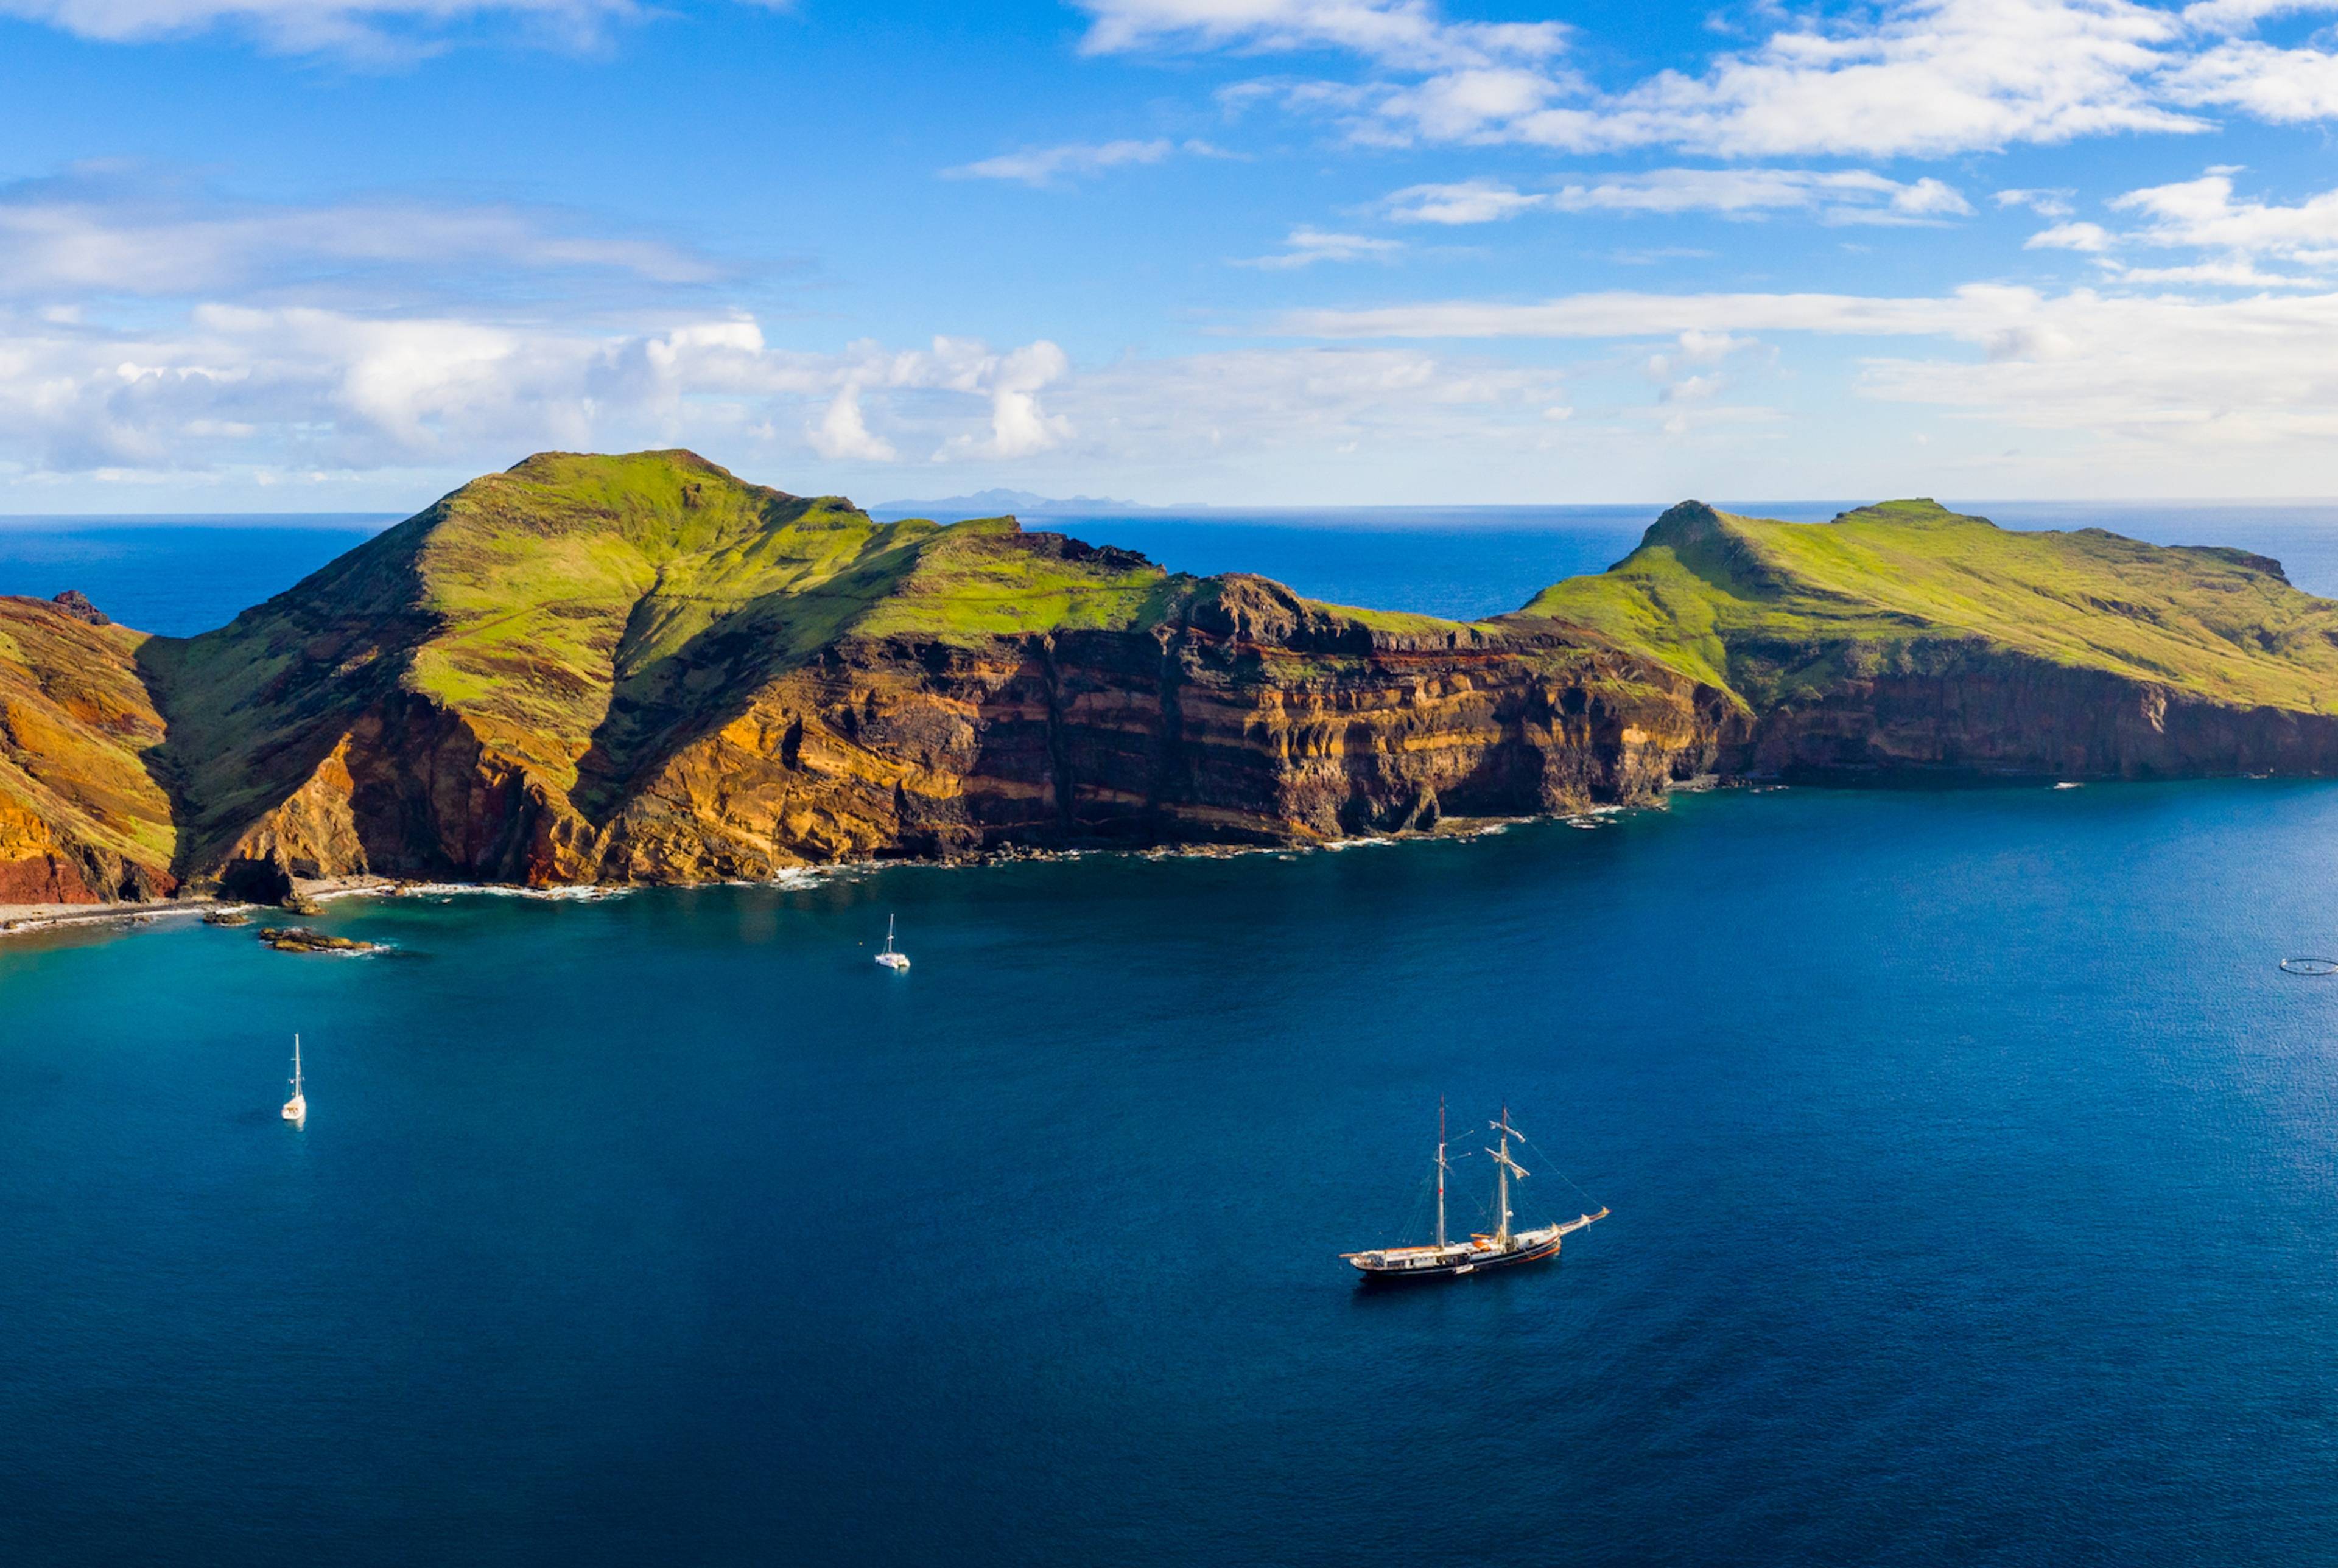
x=25, y=920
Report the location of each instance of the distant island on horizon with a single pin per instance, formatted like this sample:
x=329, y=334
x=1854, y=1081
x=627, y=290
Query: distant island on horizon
x=642, y=669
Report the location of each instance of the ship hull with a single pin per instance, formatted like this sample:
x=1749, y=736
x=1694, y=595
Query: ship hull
x=1398, y=1274
x=1477, y=1256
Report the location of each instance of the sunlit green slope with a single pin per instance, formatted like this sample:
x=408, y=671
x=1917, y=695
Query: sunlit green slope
x=1772, y=610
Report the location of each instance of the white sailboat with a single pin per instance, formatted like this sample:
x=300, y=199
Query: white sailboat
x=297, y=1108
x=890, y=959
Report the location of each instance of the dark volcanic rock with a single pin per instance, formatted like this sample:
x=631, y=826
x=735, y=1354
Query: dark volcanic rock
x=73, y=602
x=301, y=939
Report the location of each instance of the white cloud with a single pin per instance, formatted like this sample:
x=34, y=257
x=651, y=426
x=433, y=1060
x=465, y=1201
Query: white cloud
x=2202, y=214
x=2088, y=237
x=2128, y=371
x=1398, y=32
x=2285, y=87
x=1907, y=78
x=2231, y=274
x=1466, y=201
x=1046, y=166
x=374, y=27
x=304, y=387
x=1924, y=76
x=1020, y=427
x=1305, y=246
x=842, y=434
x=287, y=392
x=2239, y=15
x=2045, y=203
x=129, y=233
x=1627, y=314
x=1844, y=196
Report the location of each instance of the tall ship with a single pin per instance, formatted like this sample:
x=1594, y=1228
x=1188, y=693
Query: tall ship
x=1444, y=1258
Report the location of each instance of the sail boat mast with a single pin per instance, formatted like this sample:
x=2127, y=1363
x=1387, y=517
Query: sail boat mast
x=1504, y=1169
x=1502, y=1183
x=1440, y=1170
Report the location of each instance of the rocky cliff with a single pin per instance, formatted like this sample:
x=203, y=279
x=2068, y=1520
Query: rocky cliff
x=82, y=818
x=643, y=669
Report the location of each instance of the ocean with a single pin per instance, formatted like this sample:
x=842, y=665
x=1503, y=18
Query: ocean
x=1973, y=1169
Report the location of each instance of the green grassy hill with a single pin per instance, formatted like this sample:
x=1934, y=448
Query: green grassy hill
x=644, y=663
x=1777, y=611
x=586, y=615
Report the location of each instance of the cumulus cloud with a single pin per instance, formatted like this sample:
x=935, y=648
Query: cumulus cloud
x=301, y=389
x=842, y=434
x=2286, y=86
x=1907, y=78
x=2206, y=215
x=307, y=387
x=1020, y=427
x=1305, y=246
x=1844, y=196
x=2202, y=214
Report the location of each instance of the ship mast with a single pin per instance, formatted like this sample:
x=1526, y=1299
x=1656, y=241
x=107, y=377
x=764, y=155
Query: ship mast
x=1504, y=1169
x=1440, y=1172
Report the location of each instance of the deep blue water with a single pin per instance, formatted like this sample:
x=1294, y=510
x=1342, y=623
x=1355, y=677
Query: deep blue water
x=1975, y=1178
x=1974, y=1170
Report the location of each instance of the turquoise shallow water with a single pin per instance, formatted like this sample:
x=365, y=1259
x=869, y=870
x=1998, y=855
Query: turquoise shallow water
x=1974, y=1170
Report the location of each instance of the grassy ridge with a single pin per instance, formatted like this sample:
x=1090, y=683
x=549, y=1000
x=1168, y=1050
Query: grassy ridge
x=588, y=615
x=1775, y=611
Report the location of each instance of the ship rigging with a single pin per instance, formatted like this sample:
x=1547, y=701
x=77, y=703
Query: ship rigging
x=1501, y=1247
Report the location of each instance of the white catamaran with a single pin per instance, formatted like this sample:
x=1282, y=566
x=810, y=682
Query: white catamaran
x=890, y=959
x=1444, y=1258
x=297, y=1108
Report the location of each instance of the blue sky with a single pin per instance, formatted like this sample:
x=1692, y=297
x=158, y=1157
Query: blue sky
x=311, y=254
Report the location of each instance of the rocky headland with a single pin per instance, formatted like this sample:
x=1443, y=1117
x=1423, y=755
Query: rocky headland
x=643, y=670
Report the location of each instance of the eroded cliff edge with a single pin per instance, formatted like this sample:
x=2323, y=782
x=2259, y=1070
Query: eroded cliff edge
x=641, y=669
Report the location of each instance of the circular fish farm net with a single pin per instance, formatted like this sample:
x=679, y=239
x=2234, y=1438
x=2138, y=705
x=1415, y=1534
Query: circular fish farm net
x=2309, y=966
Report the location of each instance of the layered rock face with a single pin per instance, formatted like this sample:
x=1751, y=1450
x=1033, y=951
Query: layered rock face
x=1911, y=642
x=642, y=669
x=82, y=820
x=1241, y=720
x=1965, y=709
